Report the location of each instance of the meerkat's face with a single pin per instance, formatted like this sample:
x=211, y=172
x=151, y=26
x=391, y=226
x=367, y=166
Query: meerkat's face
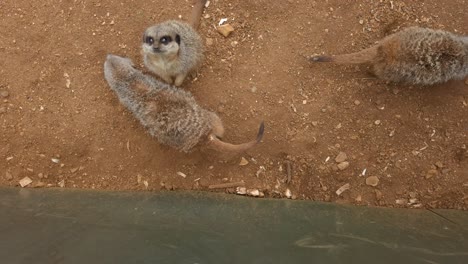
x=161, y=42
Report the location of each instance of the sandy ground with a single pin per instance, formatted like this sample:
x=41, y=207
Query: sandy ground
x=61, y=125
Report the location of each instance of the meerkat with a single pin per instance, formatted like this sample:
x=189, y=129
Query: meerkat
x=418, y=56
x=173, y=49
x=170, y=114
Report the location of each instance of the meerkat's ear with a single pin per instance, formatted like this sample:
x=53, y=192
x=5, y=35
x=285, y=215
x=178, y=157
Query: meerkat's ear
x=177, y=39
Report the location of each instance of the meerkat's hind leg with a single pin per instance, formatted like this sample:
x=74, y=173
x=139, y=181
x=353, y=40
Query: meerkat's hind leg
x=179, y=79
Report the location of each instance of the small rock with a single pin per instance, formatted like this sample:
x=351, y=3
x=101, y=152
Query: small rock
x=225, y=30
x=377, y=122
x=4, y=94
x=358, y=199
x=341, y=157
x=357, y=102
x=342, y=189
x=288, y=193
x=147, y=184
x=372, y=181
x=73, y=170
x=54, y=160
x=343, y=165
x=2, y=110
x=61, y=183
x=40, y=175
x=209, y=41
x=254, y=193
x=241, y=190
x=39, y=185
x=25, y=182
x=8, y=176
x=439, y=165
x=181, y=174
x=361, y=21
x=431, y=173
x=401, y=201
x=243, y=162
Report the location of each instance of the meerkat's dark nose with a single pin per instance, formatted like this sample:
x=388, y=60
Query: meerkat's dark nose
x=156, y=50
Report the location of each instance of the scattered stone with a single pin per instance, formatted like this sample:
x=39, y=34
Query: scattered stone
x=139, y=178
x=25, y=182
x=4, y=94
x=377, y=122
x=147, y=184
x=342, y=189
x=439, y=165
x=8, y=176
x=181, y=174
x=243, y=162
x=357, y=102
x=255, y=193
x=372, y=181
x=73, y=170
x=431, y=173
x=55, y=160
x=358, y=199
x=413, y=201
x=209, y=42
x=225, y=30
x=39, y=184
x=341, y=157
x=241, y=190
x=343, y=165
x=401, y=201
x=288, y=193
x=61, y=183
x=40, y=175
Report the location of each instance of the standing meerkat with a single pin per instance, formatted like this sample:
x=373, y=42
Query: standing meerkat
x=413, y=56
x=170, y=114
x=173, y=48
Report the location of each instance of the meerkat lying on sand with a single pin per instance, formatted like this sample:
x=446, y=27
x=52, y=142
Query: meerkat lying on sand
x=170, y=114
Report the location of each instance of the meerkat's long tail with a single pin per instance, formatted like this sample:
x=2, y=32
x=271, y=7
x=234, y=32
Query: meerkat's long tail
x=363, y=56
x=197, y=12
x=225, y=147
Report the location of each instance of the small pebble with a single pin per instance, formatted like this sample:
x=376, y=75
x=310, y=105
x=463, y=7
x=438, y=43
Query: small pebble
x=343, y=165
x=377, y=122
x=225, y=30
x=288, y=193
x=25, y=182
x=209, y=41
x=431, y=173
x=2, y=110
x=341, y=157
x=357, y=102
x=372, y=181
x=243, y=162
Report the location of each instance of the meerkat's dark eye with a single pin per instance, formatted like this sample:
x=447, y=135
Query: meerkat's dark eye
x=166, y=39
x=149, y=40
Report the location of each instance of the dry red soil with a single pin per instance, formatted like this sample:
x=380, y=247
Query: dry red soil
x=56, y=104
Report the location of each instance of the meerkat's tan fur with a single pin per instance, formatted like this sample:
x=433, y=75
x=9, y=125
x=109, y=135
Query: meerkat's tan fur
x=172, y=49
x=413, y=56
x=170, y=114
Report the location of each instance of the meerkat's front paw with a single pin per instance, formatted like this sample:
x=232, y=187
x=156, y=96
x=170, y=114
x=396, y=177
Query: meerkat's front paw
x=179, y=79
